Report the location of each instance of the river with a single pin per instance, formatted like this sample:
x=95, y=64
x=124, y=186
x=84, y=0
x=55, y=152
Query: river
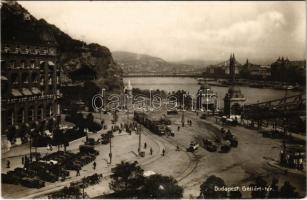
x=190, y=85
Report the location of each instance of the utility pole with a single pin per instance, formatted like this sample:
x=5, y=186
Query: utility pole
x=110, y=154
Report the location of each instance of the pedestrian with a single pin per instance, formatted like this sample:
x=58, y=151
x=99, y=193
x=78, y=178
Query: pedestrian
x=8, y=164
x=163, y=152
x=145, y=145
x=151, y=151
x=94, y=165
x=178, y=128
x=190, y=122
x=177, y=148
x=78, y=172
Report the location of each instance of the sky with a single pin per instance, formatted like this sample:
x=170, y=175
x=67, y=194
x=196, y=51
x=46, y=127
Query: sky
x=176, y=31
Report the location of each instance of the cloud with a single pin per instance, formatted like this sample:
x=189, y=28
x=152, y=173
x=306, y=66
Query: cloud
x=184, y=30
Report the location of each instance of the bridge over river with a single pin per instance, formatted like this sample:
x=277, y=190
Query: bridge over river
x=281, y=112
x=196, y=75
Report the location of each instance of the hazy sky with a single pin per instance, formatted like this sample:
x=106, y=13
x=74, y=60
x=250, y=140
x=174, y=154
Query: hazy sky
x=184, y=30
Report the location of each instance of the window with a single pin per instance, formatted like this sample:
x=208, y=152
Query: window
x=14, y=78
x=20, y=116
x=10, y=119
x=49, y=110
x=31, y=114
x=34, y=77
x=32, y=65
x=25, y=77
x=40, y=112
x=12, y=63
x=42, y=81
x=23, y=64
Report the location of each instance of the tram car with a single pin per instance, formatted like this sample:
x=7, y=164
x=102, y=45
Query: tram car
x=152, y=123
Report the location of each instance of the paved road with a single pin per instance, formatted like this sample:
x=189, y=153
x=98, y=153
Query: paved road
x=238, y=167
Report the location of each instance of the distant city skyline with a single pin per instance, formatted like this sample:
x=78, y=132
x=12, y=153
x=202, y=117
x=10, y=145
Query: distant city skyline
x=176, y=31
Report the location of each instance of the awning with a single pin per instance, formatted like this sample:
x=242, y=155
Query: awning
x=16, y=93
x=3, y=78
x=35, y=90
x=26, y=92
x=50, y=63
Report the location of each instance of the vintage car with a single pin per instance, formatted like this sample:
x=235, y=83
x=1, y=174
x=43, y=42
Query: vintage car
x=193, y=147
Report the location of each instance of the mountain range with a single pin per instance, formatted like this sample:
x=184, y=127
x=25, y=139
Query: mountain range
x=142, y=63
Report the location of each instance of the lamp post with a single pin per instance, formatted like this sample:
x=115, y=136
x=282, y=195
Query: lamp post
x=207, y=94
x=140, y=138
x=110, y=154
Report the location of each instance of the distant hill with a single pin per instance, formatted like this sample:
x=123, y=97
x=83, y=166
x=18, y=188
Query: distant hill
x=142, y=63
x=20, y=26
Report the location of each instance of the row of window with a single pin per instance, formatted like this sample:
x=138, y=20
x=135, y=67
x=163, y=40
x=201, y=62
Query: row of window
x=29, y=50
x=35, y=77
x=27, y=64
x=32, y=115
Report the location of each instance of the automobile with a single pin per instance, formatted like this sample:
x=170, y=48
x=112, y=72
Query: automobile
x=209, y=145
x=226, y=146
x=88, y=149
x=234, y=141
x=203, y=116
x=172, y=112
x=193, y=147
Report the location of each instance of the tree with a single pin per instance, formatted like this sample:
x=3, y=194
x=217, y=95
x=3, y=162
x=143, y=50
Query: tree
x=208, y=191
x=261, y=184
x=126, y=178
x=58, y=138
x=287, y=191
x=160, y=187
x=235, y=194
x=274, y=194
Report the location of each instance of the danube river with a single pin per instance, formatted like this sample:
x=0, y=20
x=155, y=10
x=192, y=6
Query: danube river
x=190, y=85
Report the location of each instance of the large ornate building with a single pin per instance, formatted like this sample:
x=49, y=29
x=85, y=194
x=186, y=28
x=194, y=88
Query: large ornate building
x=30, y=81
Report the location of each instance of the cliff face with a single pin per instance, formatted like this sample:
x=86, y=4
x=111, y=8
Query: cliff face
x=19, y=25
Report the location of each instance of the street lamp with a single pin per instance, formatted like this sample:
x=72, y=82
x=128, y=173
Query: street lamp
x=207, y=94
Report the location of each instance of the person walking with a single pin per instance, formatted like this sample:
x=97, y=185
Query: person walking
x=145, y=145
x=178, y=128
x=8, y=164
x=163, y=152
x=177, y=148
x=151, y=151
x=94, y=165
x=22, y=160
x=78, y=172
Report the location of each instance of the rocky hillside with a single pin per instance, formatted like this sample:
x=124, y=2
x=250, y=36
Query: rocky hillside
x=142, y=63
x=19, y=25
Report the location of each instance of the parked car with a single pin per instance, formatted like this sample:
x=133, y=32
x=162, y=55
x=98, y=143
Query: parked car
x=193, y=147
